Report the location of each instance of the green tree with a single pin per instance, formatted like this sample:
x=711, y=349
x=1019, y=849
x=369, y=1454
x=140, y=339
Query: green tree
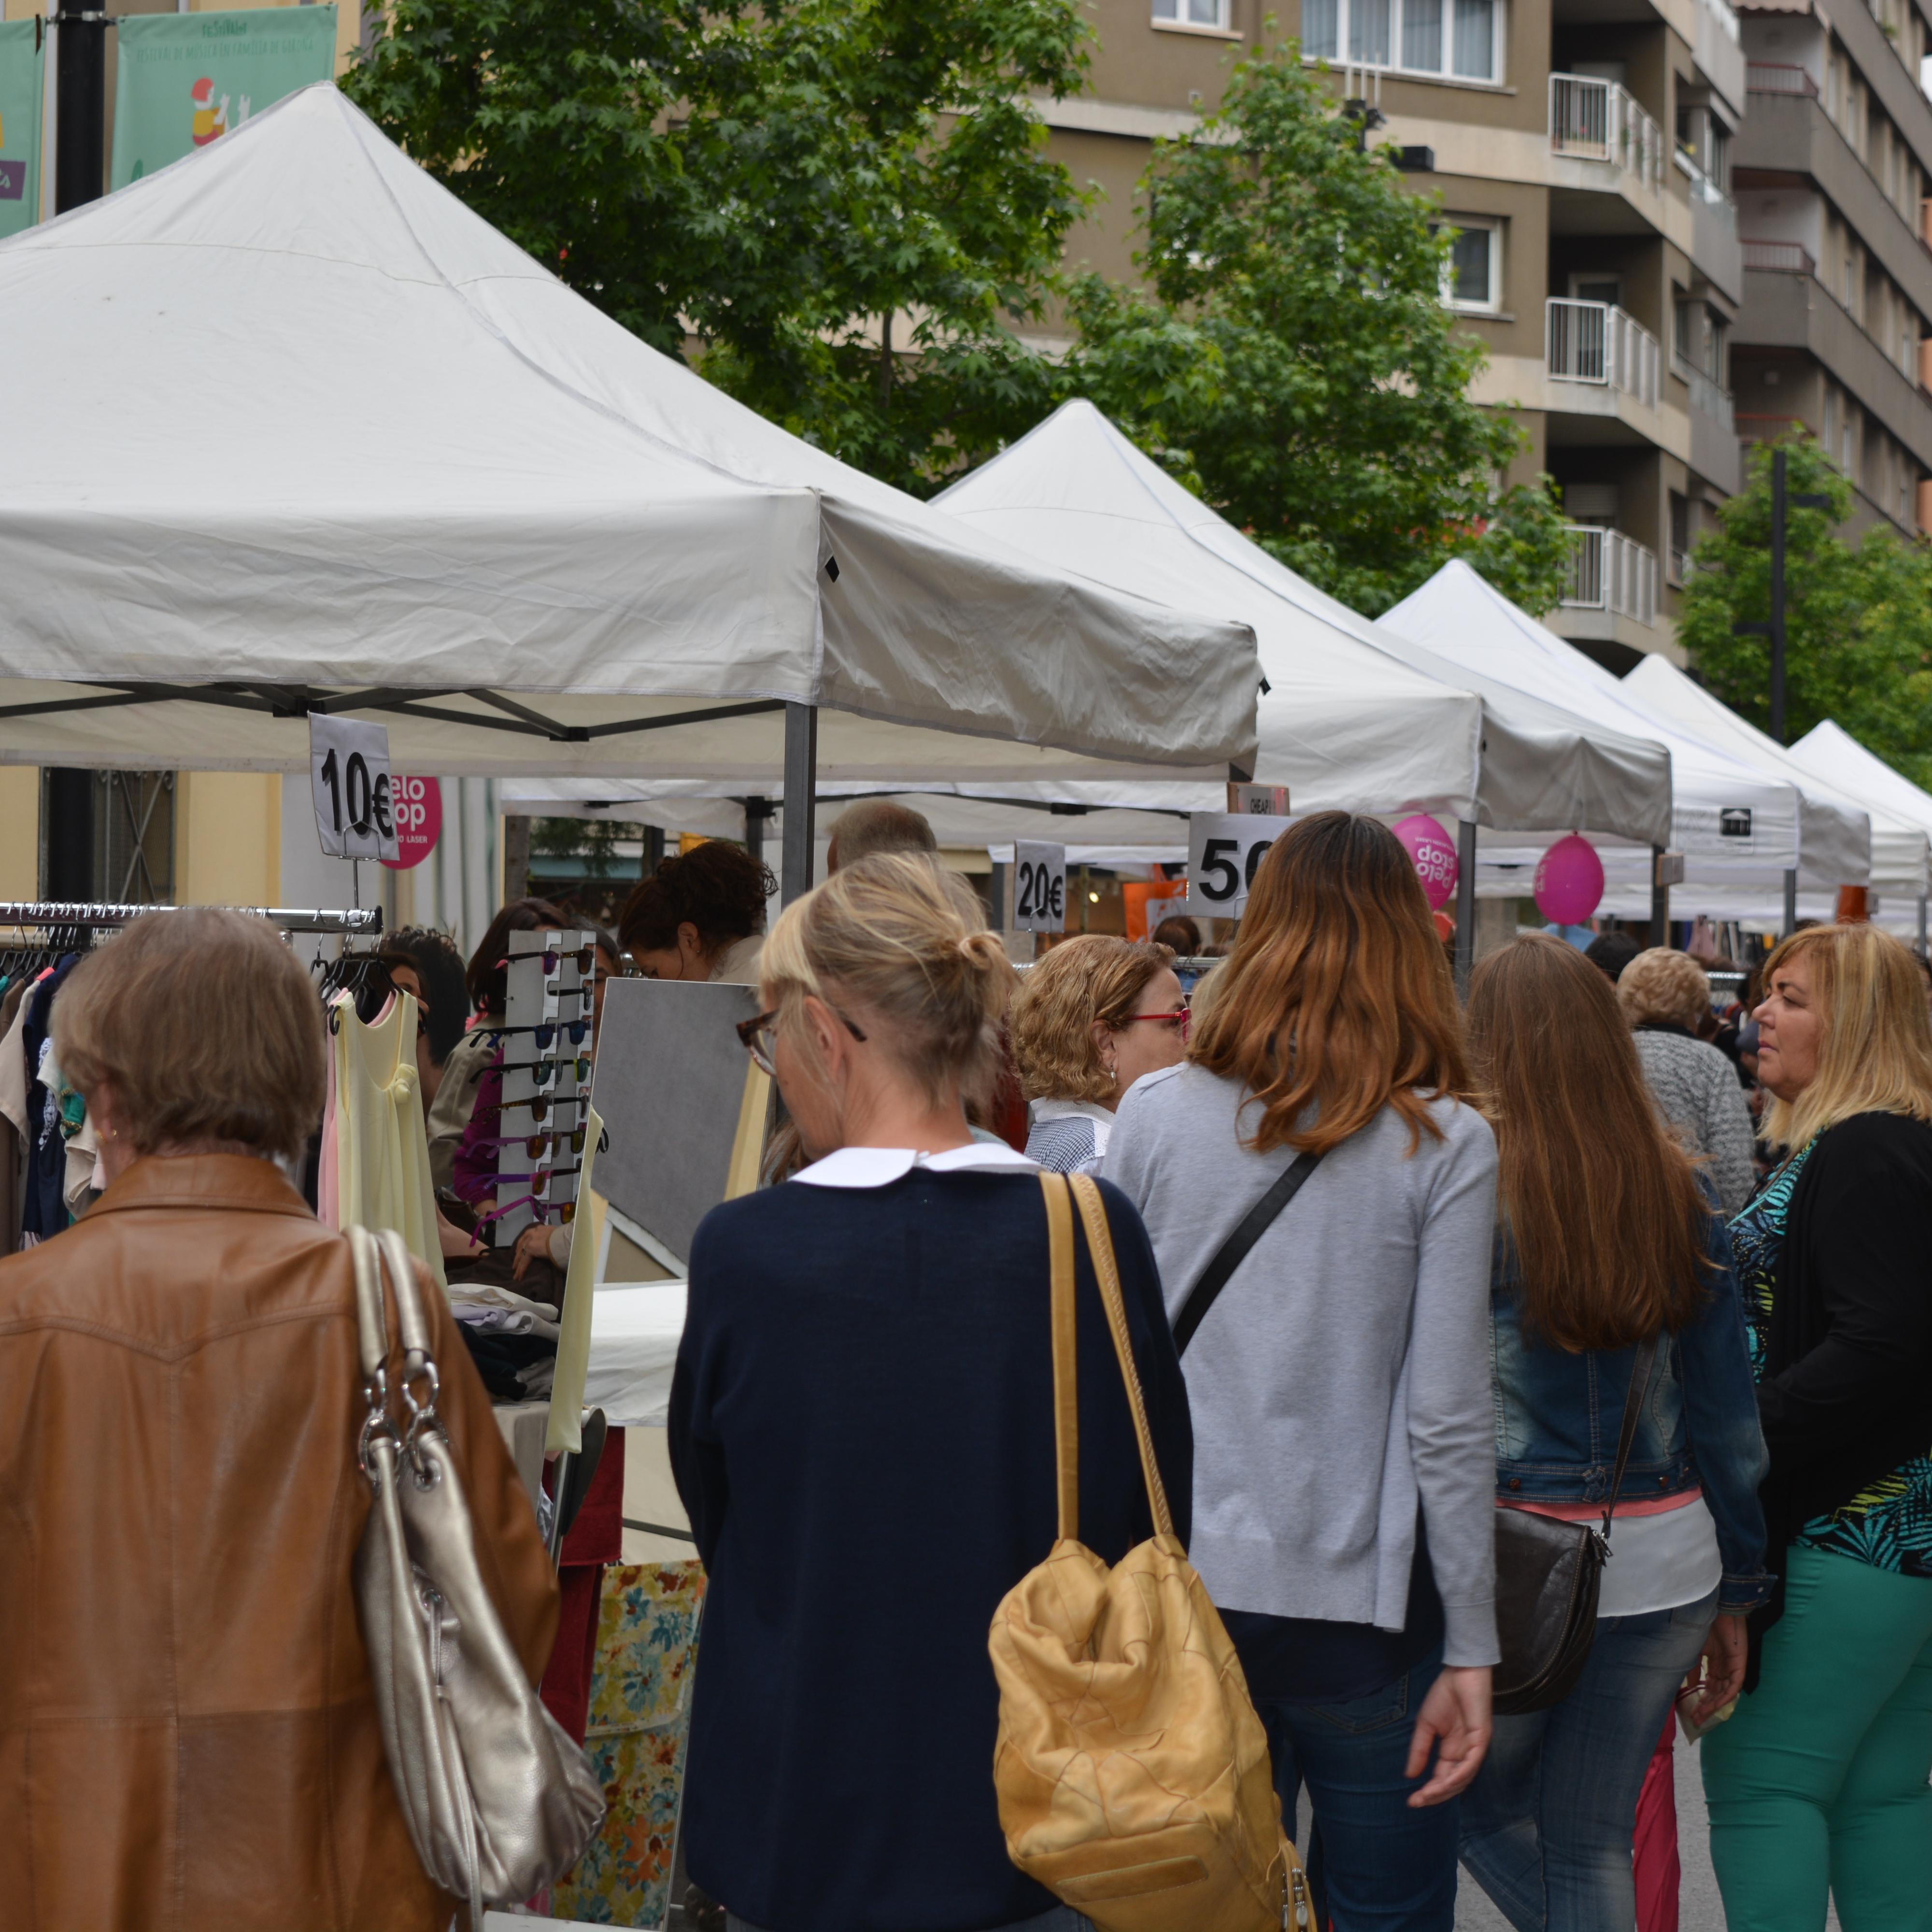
x=1293, y=357
x=778, y=182
x=1857, y=618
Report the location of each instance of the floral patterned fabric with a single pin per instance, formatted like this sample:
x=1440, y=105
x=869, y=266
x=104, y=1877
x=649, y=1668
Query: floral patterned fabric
x=1889, y=1523
x=640, y=1723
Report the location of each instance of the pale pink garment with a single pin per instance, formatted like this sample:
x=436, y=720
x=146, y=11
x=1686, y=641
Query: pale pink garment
x=1654, y=1847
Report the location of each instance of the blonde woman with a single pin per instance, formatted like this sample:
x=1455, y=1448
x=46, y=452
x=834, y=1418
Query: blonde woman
x=1094, y=1016
x=1665, y=997
x=862, y=1429
x=1818, y=1783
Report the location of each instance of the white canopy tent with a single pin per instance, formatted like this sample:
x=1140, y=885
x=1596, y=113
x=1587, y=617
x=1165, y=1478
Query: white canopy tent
x=1842, y=840
x=1735, y=824
x=1839, y=759
x=1352, y=719
x=286, y=428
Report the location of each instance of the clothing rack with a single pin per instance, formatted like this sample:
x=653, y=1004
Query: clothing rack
x=63, y=912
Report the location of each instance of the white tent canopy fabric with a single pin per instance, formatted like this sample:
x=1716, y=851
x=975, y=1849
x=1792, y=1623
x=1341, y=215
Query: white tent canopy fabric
x=1353, y=719
x=1725, y=813
x=1841, y=842
x=286, y=427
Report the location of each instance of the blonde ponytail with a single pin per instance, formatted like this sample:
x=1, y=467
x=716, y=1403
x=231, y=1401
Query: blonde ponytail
x=905, y=940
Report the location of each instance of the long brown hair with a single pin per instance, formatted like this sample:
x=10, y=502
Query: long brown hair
x=1602, y=1204
x=1337, y=1001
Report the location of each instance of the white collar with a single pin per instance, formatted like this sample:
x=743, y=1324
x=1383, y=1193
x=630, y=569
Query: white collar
x=877, y=1167
x=1071, y=1110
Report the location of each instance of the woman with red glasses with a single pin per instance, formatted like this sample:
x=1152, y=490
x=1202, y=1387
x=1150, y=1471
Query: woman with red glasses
x=1094, y=1015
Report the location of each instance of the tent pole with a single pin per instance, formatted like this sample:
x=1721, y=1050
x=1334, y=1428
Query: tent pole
x=1790, y=903
x=1660, y=900
x=756, y=811
x=801, y=784
x=1466, y=905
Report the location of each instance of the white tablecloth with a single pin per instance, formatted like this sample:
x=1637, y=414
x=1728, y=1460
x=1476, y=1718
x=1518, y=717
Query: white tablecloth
x=634, y=1331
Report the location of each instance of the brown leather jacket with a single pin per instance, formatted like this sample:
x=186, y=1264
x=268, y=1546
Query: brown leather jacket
x=187, y=1736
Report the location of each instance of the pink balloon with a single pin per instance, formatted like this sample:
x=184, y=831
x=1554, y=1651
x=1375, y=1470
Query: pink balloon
x=1569, y=881
x=1434, y=852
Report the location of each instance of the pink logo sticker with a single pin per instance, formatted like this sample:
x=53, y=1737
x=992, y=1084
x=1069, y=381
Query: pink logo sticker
x=418, y=805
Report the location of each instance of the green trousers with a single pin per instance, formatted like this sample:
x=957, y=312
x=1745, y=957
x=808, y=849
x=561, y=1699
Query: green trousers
x=1818, y=1784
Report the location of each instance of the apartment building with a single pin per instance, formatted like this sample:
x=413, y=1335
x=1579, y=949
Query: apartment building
x=1832, y=170
x=1585, y=152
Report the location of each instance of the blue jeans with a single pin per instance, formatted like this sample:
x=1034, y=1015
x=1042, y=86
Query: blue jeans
x=1374, y=1865
x=1548, y=1824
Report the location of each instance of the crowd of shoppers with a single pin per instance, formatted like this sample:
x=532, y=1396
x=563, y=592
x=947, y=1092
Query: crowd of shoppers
x=1386, y=1270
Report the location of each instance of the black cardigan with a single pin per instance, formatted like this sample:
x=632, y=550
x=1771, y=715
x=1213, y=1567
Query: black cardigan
x=862, y=1428
x=1846, y=1392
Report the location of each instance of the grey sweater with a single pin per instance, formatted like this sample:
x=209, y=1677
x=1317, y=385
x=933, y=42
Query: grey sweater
x=1344, y=1373
x=1696, y=1090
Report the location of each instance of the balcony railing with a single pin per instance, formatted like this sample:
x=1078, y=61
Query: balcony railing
x=1779, y=258
x=1610, y=572
x=1597, y=342
x=1779, y=77
x=1726, y=17
x=1598, y=120
x=1705, y=394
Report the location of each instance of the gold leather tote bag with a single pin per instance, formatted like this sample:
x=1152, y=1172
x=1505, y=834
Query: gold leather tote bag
x=498, y=1800
x=1131, y=1772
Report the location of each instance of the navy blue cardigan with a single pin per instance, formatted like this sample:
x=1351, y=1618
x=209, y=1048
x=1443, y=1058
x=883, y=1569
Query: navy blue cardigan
x=862, y=1429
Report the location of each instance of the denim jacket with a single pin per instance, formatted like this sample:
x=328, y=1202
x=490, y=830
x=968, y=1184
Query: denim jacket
x=1558, y=1414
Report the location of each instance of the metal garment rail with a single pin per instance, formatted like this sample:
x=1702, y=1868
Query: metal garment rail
x=290, y=918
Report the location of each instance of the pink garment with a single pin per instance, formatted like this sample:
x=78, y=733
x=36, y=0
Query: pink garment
x=1593, y=1512
x=1653, y=1849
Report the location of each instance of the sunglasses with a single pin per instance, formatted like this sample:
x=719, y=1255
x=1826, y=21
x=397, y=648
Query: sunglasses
x=540, y=1182
x=539, y=1105
x=759, y=1037
x=573, y=1030
x=1180, y=1019
x=565, y=1210
x=547, y=1076
x=537, y=1145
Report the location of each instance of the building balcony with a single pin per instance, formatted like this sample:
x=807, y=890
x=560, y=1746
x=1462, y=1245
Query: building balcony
x=1788, y=143
x=1780, y=77
x=1592, y=120
x=1715, y=454
x=1778, y=258
x=1612, y=573
x=1713, y=226
x=1597, y=343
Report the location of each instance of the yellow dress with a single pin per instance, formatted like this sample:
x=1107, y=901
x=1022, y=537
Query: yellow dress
x=382, y=1144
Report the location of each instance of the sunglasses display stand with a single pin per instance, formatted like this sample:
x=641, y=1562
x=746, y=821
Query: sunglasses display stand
x=546, y=1079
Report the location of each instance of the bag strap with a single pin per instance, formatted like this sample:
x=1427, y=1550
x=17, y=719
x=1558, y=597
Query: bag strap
x=1234, y=1250
x=1639, y=1387
x=375, y=1252
x=1066, y=1384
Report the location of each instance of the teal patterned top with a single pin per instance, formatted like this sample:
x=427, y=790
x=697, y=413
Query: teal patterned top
x=1887, y=1524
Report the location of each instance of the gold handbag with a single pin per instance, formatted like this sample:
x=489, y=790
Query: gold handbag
x=497, y=1799
x=1132, y=1771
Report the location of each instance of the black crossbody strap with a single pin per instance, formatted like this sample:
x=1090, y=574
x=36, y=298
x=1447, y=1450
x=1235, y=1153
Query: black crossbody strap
x=1639, y=1386
x=1234, y=1250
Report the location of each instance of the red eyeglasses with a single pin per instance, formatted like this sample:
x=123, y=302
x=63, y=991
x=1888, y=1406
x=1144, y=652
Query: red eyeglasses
x=1180, y=1019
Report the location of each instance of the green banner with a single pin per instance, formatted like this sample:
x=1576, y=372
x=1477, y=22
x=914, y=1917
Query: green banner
x=185, y=79
x=21, y=84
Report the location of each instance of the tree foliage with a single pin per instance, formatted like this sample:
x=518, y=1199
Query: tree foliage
x=777, y=181
x=1857, y=618
x=1292, y=355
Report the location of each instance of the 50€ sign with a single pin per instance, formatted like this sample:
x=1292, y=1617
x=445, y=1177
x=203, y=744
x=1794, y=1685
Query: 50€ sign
x=1223, y=849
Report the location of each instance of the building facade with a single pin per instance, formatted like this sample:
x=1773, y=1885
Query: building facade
x=1599, y=163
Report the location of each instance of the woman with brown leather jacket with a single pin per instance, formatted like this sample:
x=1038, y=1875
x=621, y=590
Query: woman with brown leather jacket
x=188, y=1736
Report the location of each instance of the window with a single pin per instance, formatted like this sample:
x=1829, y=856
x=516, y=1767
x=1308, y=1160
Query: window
x=1607, y=288
x=1459, y=38
x=1192, y=12
x=1474, y=279
x=1680, y=537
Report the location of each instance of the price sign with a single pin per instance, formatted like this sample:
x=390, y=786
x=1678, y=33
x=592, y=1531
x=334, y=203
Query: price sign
x=1223, y=849
x=1039, y=887
x=349, y=774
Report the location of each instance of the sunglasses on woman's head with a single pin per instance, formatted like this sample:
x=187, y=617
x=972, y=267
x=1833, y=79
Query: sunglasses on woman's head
x=759, y=1037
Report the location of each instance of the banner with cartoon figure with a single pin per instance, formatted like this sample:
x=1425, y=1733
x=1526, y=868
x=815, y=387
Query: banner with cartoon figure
x=185, y=79
x=21, y=84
